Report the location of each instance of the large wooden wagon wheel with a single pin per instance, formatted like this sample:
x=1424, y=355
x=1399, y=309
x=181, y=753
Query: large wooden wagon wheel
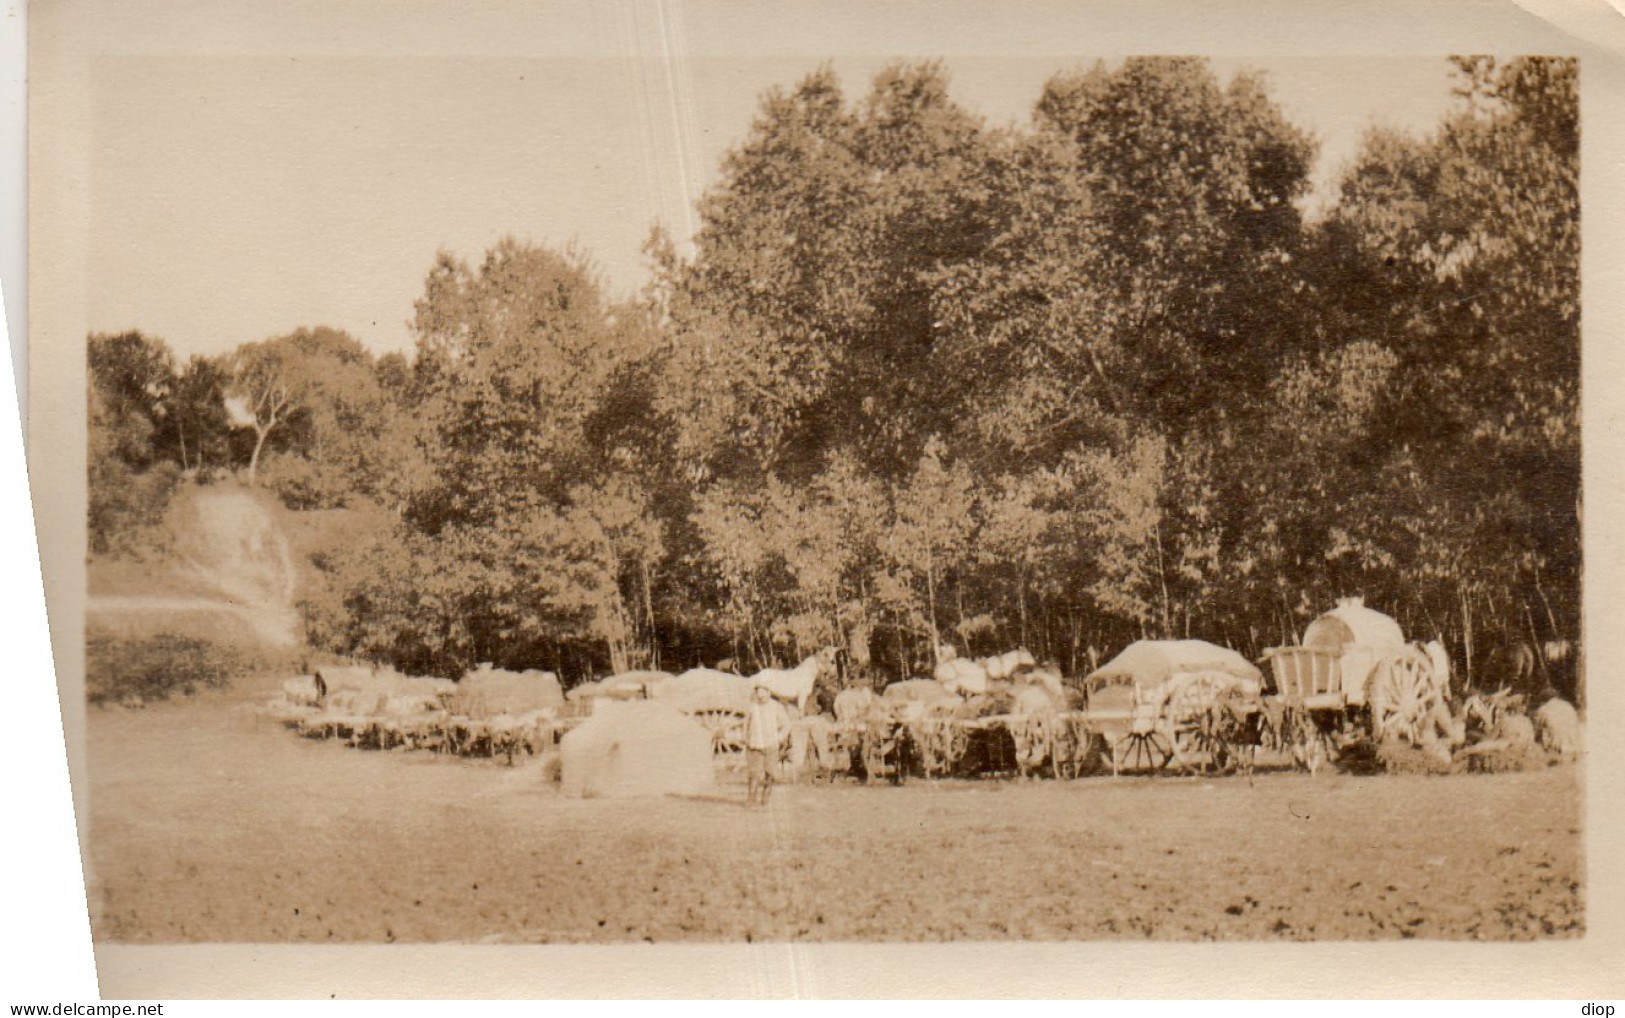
x=846, y=747
x=1141, y=746
x=880, y=738
x=1195, y=722
x=1294, y=729
x=1403, y=696
x=1031, y=737
x=726, y=728
x=941, y=742
x=1241, y=720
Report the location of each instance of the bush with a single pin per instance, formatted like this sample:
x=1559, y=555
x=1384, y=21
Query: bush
x=127, y=508
x=306, y=484
x=118, y=669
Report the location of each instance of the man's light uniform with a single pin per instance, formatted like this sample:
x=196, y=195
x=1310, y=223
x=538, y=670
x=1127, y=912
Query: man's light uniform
x=765, y=729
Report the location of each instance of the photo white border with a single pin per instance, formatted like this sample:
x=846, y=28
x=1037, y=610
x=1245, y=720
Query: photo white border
x=67, y=37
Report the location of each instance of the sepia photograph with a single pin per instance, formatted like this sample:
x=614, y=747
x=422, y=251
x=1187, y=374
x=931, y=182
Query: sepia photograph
x=827, y=484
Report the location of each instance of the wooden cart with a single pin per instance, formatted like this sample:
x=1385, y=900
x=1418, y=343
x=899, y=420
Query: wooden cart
x=1354, y=674
x=1186, y=704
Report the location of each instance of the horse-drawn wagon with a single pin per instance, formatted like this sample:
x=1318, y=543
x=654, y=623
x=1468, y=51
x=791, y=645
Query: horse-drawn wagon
x=1355, y=670
x=1186, y=703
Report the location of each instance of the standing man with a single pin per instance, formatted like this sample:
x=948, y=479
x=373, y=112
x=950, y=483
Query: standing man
x=764, y=732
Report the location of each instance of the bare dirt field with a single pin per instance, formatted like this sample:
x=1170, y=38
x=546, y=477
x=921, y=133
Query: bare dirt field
x=211, y=823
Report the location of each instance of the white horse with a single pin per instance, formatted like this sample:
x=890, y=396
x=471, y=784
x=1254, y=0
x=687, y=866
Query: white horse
x=795, y=685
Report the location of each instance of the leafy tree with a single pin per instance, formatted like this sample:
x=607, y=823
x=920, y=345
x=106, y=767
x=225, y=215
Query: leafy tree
x=804, y=322
x=526, y=535
x=929, y=540
x=796, y=563
x=1190, y=203
x=313, y=396
x=1464, y=256
x=130, y=378
x=134, y=376
x=515, y=357
x=1059, y=384
x=395, y=376
x=199, y=426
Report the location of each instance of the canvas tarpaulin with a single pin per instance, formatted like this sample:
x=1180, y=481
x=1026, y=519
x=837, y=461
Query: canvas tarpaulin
x=1149, y=664
x=637, y=748
x=486, y=691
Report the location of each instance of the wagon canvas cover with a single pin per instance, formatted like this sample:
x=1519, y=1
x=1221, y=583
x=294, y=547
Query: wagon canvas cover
x=1351, y=622
x=488, y=690
x=1148, y=664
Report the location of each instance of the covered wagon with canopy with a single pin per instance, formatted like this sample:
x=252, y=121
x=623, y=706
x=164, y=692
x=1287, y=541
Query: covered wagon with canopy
x=1169, y=701
x=1353, y=669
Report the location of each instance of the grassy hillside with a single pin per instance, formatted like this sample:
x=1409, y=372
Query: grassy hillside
x=218, y=585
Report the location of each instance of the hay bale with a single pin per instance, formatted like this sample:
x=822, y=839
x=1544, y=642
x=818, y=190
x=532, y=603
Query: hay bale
x=1108, y=698
x=644, y=682
x=1511, y=746
x=636, y=748
x=1049, y=677
x=488, y=691
x=584, y=691
x=372, y=687
x=633, y=685
x=961, y=675
x=1361, y=756
x=1034, y=699
x=705, y=689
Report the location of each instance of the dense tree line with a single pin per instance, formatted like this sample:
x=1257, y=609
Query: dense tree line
x=924, y=380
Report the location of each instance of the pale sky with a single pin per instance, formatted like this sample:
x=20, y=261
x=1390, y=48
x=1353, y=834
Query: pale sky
x=238, y=197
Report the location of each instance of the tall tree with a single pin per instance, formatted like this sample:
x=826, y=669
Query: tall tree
x=198, y=426
x=314, y=394
x=1461, y=251
x=531, y=534
x=804, y=322
x=130, y=381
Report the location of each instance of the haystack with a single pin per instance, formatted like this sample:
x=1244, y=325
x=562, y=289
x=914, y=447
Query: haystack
x=368, y=688
x=636, y=748
x=633, y=685
x=706, y=689
x=486, y=691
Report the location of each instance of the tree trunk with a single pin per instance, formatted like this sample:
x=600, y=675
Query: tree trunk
x=1162, y=581
x=1467, y=640
x=1021, y=602
x=254, y=460
x=931, y=605
x=649, y=613
x=619, y=659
